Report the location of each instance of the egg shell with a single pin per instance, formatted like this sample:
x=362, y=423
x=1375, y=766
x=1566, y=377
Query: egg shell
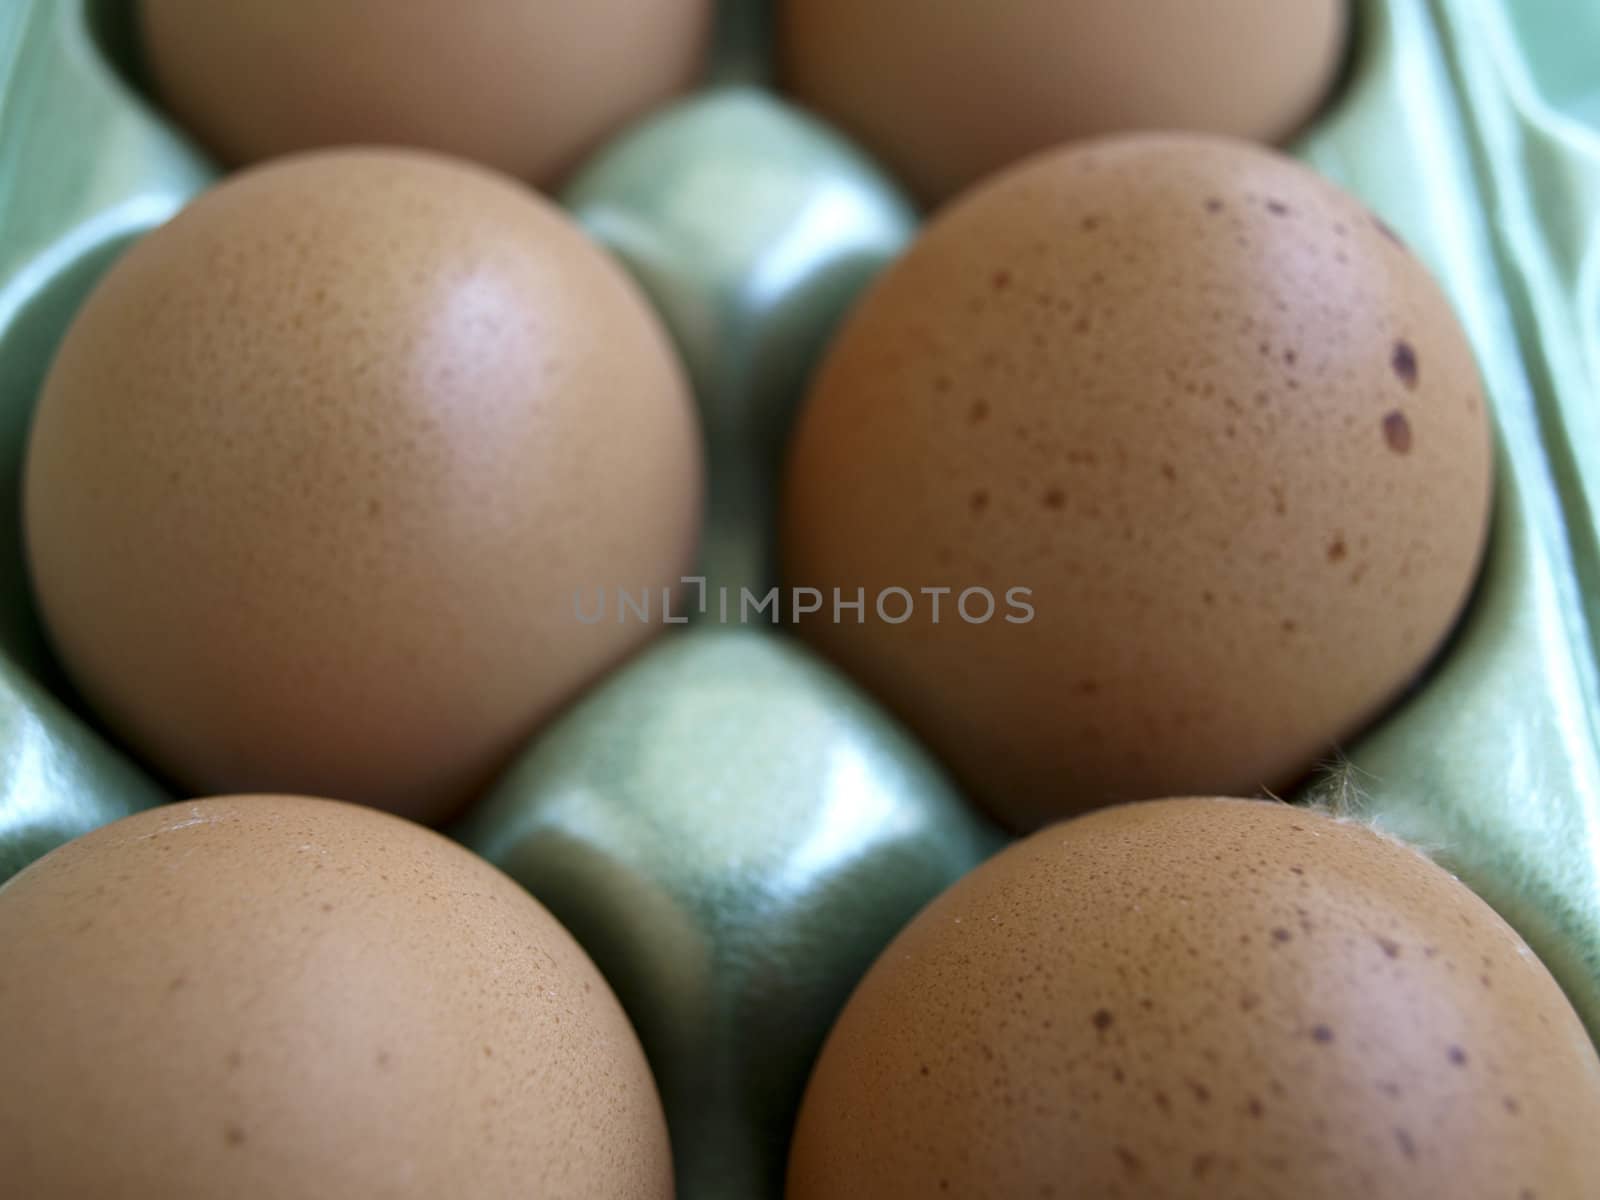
x=1035, y=73
x=527, y=86
x=1223, y=426
x=1201, y=998
x=265, y=996
x=321, y=464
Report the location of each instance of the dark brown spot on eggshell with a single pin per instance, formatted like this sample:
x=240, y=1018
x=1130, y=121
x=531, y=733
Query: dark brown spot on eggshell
x=1403, y=361
x=1397, y=432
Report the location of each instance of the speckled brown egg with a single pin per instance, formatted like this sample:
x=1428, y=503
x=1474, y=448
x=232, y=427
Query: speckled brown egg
x=1195, y=999
x=1220, y=425
x=269, y=996
x=527, y=86
x=321, y=465
x=1036, y=73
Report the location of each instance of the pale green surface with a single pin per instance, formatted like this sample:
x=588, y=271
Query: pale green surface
x=752, y=228
x=734, y=833
x=664, y=814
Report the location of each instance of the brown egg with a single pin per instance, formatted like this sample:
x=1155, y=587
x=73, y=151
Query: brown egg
x=1034, y=73
x=1224, y=428
x=527, y=86
x=321, y=464
x=268, y=996
x=1199, y=999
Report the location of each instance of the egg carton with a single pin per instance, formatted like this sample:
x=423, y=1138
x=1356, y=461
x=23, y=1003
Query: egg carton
x=726, y=824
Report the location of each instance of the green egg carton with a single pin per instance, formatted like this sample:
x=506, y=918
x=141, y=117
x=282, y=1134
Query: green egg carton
x=729, y=827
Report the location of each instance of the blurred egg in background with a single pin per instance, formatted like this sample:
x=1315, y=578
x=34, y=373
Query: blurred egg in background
x=946, y=93
x=527, y=86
